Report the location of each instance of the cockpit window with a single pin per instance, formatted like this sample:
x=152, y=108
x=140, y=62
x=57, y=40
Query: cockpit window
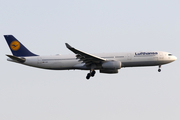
x=169, y=54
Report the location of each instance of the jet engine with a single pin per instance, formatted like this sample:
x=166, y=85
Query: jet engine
x=110, y=67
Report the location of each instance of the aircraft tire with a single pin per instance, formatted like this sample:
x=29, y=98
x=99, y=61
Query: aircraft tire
x=93, y=73
x=88, y=76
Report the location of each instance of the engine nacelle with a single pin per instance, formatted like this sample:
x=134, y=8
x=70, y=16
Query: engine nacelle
x=111, y=65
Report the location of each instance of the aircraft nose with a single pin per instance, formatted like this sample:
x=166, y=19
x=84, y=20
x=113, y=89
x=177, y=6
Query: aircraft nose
x=175, y=58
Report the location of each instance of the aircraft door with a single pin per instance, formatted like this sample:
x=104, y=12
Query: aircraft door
x=39, y=60
x=129, y=56
x=160, y=57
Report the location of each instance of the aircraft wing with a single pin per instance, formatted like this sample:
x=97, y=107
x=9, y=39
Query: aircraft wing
x=86, y=58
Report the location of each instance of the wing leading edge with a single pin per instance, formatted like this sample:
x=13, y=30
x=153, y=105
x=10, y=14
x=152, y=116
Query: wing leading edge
x=86, y=58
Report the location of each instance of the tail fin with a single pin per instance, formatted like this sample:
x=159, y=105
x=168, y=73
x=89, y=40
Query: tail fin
x=17, y=48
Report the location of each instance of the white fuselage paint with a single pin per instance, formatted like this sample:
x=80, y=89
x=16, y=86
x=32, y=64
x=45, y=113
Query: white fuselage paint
x=67, y=62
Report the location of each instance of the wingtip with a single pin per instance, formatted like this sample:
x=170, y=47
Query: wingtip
x=67, y=45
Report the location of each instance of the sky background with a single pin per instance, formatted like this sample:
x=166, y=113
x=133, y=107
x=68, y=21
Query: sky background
x=93, y=26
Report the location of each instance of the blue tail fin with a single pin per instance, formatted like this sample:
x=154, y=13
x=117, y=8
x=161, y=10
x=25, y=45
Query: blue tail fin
x=17, y=48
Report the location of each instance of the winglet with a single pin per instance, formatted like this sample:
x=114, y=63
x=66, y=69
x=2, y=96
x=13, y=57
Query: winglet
x=71, y=48
x=68, y=46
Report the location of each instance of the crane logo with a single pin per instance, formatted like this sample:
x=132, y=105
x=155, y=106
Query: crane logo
x=15, y=45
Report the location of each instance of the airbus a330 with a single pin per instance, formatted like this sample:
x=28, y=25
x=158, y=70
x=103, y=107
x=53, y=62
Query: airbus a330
x=105, y=63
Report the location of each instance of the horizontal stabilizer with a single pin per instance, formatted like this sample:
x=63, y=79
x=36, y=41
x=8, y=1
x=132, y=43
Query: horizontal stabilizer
x=18, y=59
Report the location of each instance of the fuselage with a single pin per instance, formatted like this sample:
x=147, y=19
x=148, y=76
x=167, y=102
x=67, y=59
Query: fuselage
x=131, y=59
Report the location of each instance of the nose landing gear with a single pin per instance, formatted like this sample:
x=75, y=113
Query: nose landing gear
x=159, y=70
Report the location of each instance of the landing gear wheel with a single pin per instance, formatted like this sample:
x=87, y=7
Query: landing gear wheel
x=159, y=70
x=88, y=76
x=93, y=73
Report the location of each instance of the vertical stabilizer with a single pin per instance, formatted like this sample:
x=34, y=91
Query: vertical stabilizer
x=17, y=48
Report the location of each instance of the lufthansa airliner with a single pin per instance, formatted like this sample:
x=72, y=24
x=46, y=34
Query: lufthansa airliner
x=105, y=63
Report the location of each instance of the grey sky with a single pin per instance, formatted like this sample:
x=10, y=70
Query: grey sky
x=28, y=93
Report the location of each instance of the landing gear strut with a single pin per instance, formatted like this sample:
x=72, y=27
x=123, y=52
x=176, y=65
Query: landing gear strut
x=159, y=70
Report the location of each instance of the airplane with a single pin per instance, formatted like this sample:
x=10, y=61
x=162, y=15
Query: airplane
x=108, y=63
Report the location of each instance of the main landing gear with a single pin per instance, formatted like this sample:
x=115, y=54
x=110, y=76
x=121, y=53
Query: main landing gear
x=91, y=74
x=159, y=70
